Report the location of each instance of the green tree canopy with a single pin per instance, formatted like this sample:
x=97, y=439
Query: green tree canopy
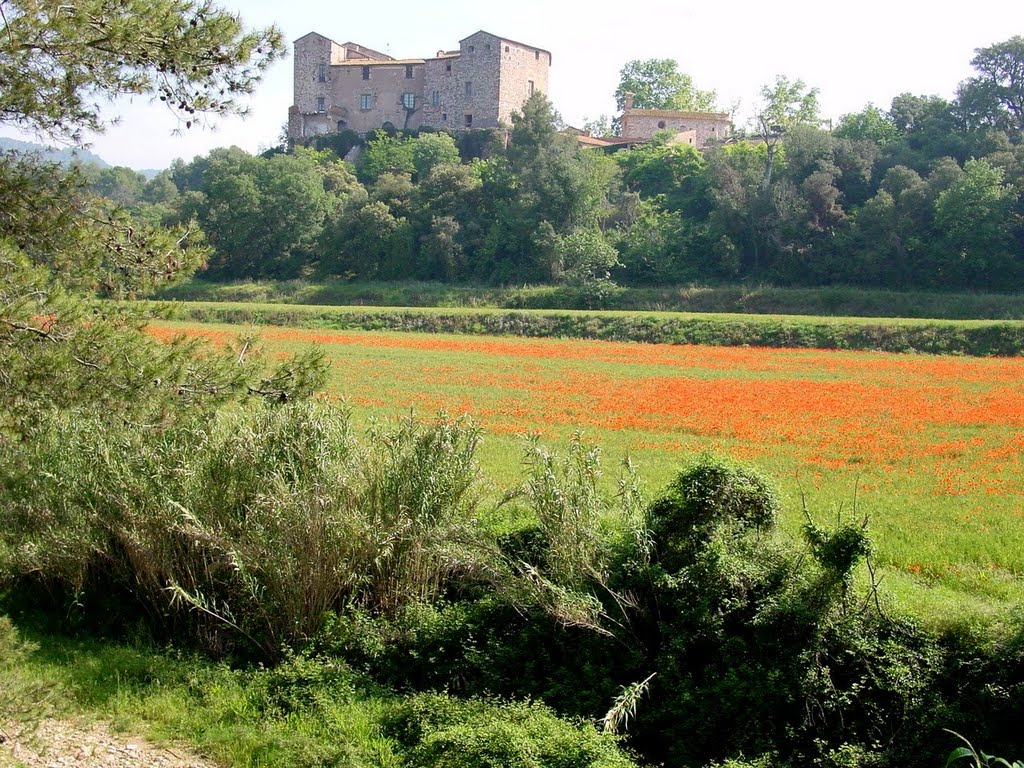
x=784, y=104
x=974, y=217
x=995, y=96
x=870, y=124
x=430, y=150
x=658, y=84
x=386, y=154
x=671, y=172
x=260, y=214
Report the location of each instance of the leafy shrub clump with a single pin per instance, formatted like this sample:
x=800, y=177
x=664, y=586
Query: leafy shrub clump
x=443, y=732
x=710, y=498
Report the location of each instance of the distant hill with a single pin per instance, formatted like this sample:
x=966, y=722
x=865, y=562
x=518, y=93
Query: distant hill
x=65, y=156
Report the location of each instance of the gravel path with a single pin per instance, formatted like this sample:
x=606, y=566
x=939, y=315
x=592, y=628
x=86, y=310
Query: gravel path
x=63, y=743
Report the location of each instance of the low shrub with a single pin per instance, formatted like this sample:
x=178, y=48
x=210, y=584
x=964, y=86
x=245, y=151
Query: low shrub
x=358, y=567
x=442, y=732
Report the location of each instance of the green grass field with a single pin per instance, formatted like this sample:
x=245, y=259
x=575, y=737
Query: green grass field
x=928, y=447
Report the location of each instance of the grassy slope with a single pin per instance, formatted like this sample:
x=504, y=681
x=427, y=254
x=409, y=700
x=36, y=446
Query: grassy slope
x=226, y=714
x=325, y=312
x=303, y=712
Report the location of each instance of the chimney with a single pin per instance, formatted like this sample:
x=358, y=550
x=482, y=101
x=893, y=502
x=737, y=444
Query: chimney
x=628, y=99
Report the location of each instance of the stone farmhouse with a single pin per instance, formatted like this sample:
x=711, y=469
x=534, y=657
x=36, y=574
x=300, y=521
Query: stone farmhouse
x=346, y=85
x=638, y=126
x=696, y=128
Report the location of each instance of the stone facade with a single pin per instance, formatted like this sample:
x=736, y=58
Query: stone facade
x=696, y=128
x=344, y=85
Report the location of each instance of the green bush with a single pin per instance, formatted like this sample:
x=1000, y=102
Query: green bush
x=764, y=648
x=711, y=496
x=442, y=732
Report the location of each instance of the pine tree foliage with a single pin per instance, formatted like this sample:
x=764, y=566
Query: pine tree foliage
x=61, y=246
x=59, y=62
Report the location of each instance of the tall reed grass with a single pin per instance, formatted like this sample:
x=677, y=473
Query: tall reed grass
x=247, y=528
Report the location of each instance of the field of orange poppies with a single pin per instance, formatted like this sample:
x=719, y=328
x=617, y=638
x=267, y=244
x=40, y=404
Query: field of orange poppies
x=929, y=448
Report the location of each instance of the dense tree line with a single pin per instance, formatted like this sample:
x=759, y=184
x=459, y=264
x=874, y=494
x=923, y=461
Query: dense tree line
x=928, y=194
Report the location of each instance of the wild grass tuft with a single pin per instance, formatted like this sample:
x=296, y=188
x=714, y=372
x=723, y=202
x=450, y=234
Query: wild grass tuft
x=247, y=530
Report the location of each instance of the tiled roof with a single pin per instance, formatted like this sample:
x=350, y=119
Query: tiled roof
x=363, y=49
x=377, y=62
x=594, y=141
x=722, y=116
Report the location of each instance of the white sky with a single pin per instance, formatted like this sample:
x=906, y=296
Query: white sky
x=855, y=53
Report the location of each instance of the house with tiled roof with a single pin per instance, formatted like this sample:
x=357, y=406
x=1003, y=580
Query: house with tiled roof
x=638, y=126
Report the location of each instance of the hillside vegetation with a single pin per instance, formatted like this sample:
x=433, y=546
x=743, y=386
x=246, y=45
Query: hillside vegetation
x=928, y=194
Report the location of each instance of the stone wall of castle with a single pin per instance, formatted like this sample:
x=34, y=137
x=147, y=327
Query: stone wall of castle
x=524, y=70
x=442, y=92
x=478, y=86
x=480, y=73
x=312, y=52
x=367, y=103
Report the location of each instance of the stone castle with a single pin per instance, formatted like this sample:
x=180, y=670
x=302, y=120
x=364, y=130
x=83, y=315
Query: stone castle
x=345, y=85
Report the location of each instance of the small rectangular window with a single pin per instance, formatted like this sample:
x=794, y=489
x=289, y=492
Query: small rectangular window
x=408, y=71
x=506, y=49
x=322, y=73
x=469, y=121
x=536, y=55
x=471, y=49
x=409, y=100
x=321, y=104
x=444, y=116
x=366, y=73
x=435, y=98
x=469, y=89
x=530, y=85
x=366, y=101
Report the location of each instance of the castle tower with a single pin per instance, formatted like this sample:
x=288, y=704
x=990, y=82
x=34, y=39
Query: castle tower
x=483, y=83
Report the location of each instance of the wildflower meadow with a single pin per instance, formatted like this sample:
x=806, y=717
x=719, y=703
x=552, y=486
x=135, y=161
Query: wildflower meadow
x=927, y=448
